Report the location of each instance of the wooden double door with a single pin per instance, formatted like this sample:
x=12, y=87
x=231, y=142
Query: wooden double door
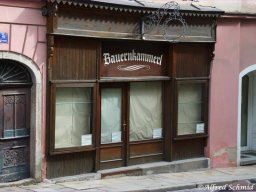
x=131, y=126
x=14, y=134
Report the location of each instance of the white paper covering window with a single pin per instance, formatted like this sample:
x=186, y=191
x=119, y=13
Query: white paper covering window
x=111, y=106
x=86, y=139
x=145, y=110
x=72, y=116
x=190, y=105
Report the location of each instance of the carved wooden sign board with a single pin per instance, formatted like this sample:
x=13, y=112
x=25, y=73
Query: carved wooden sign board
x=130, y=59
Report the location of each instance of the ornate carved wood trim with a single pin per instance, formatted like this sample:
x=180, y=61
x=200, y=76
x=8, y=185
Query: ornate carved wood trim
x=109, y=23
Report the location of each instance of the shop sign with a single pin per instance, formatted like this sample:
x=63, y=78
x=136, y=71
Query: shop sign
x=133, y=59
x=3, y=37
x=132, y=56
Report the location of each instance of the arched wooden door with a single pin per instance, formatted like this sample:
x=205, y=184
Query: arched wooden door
x=15, y=83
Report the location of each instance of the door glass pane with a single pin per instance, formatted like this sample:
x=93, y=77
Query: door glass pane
x=244, y=111
x=73, y=117
x=190, y=109
x=111, y=106
x=145, y=110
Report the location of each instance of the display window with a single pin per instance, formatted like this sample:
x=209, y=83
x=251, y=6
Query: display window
x=145, y=111
x=191, y=108
x=72, y=123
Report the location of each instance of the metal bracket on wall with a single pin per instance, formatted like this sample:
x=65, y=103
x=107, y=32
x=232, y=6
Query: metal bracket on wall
x=165, y=18
x=50, y=11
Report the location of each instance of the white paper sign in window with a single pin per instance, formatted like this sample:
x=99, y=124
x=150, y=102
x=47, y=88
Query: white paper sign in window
x=200, y=128
x=116, y=136
x=86, y=139
x=157, y=133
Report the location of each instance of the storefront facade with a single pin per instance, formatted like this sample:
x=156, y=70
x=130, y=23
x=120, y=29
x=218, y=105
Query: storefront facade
x=22, y=89
x=127, y=84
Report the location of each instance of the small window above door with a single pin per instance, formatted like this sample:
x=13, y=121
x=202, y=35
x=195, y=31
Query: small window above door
x=13, y=74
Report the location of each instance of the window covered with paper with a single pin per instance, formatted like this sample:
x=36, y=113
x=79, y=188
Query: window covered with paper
x=191, y=108
x=73, y=117
x=145, y=110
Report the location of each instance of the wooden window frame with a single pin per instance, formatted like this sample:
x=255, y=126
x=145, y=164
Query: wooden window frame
x=179, y=81
x=53, y=86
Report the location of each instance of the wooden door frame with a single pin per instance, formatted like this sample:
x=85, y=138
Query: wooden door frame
x=249, y=113
x=124, y=120
x=126, y=156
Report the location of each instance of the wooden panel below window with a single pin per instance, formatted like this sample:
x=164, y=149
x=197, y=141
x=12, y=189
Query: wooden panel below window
x=189, y=148
x=110, y=153
x=111, y=164
x=140, y=149
x=146, y=159
x=146, y=152
x=70, y=164
x=111, y=157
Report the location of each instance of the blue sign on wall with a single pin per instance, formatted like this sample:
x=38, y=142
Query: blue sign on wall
x=3, y=37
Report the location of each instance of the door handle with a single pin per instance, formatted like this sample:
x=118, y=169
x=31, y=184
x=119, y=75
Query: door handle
x=124, y=126
x=18, y=146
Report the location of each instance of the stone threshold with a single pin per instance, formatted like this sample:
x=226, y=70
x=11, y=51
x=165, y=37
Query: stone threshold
x=141, y=169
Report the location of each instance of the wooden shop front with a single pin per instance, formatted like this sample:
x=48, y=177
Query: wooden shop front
x=120, y=94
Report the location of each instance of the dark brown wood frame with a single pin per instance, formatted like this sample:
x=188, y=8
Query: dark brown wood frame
x=171, y=146
x=52, y=149
x=125, y=133
x=123, y=143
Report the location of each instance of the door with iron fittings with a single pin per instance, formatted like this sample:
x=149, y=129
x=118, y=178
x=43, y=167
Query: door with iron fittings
x=15, y=83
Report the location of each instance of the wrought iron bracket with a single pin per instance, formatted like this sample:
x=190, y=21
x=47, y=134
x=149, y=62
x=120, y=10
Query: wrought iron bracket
x=163, y=19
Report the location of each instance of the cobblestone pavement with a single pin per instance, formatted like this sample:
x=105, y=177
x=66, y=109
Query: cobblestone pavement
x=239, y=186
x=208, y=180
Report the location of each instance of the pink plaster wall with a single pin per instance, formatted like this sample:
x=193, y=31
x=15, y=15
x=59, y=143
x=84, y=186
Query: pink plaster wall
x=248, y=43
x=27, y=31
x=234, y=51
x=26, y=26
x=21, y=15
x=223, y=94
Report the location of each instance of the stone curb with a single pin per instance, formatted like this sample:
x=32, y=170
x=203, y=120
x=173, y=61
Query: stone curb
x=189, y=186
x=28, y=181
